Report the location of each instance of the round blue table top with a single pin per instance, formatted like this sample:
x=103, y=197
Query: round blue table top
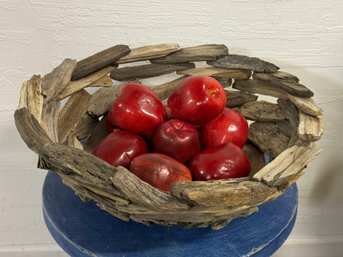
x=82, y=229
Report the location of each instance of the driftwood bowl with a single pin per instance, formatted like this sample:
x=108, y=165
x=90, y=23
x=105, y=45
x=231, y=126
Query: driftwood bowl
x=63, y=133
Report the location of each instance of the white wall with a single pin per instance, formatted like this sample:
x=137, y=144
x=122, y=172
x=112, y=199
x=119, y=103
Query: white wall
x=302, y=37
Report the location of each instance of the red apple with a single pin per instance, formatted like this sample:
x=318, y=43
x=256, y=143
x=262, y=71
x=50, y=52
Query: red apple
x=229, y=127
x=178, y=139
x=159, y=170
x=220, y=162
x=137, y=109
x=120, y=147
x=197, y=99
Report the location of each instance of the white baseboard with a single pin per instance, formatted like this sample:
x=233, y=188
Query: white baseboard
x=38, y=250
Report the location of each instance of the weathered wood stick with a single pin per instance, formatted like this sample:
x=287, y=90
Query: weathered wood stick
x=85, y=127
x=218, y=72
x=77, y=85
x=194, y=54
x=285, y=76
x=262, y=111
x=290, y=87
x=65, y=158
x=71, y=114
x=163, y=91
x=102, y=100
x=73, y=141
x=268, y=137
x=31, y=96
x=289, y=127
x=289, y=130
x=148, y=52
x=105, y=81
x=147, y=71
x=310, y=128
x=99, y=61
x=53, y=83
x=142, y=193
x=225, y=82
x=222, y=194
x=30, y=130
x=238, y=98
x=99, y=132
x=286, y=165
x=194, y=216
x=98, y=189
x=234, y=61
x=254, y=86
x=255, y=157
x=86, y=194
x=306, y=105
x=291, y=111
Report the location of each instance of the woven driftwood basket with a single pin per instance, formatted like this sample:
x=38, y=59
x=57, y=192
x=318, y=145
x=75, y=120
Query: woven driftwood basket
x=62, y=122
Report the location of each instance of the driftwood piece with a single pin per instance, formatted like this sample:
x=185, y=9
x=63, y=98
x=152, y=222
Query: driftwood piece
x=90, y=80
x=307, y=105
x=194, y=54
x=147, y=71
x=99, y=133
x=225, y=82
x=140, y=192
x=222, y=193
x=310, y=128
x=285, y=76
x=262, y=111
x=286, y=127
x=218, y=72
x=30, y=130
x=105, y=81
x=268, y=137
x=234, y=61
x=238, y=98
x=71, y=114
x=288, y=164
x=105, y=200
x=254, y=86
x=53, y=83
x=73, y=141
x=85, y=127
x=99, y=61
x=163, y=91
x=289, y=127
x=31, y=96
x=290, y=87
x=148, y=52
x=290, y=110
x=64, y=158
x=255, y=157
x=195, y=216
x=102, y=100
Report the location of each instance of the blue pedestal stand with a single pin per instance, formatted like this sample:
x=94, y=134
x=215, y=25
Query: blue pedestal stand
x=82, y=229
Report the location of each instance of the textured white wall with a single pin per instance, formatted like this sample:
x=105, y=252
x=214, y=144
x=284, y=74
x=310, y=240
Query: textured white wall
x=302, y=37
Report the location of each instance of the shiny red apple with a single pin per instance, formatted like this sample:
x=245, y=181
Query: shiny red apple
x=197, y=99
x=159, y=170
x=229, y=127
x=120, y=147
x=178, y=139
x=137, y=109
x=220, y=162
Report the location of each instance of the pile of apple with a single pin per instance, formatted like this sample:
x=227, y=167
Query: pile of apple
x=194, y=137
